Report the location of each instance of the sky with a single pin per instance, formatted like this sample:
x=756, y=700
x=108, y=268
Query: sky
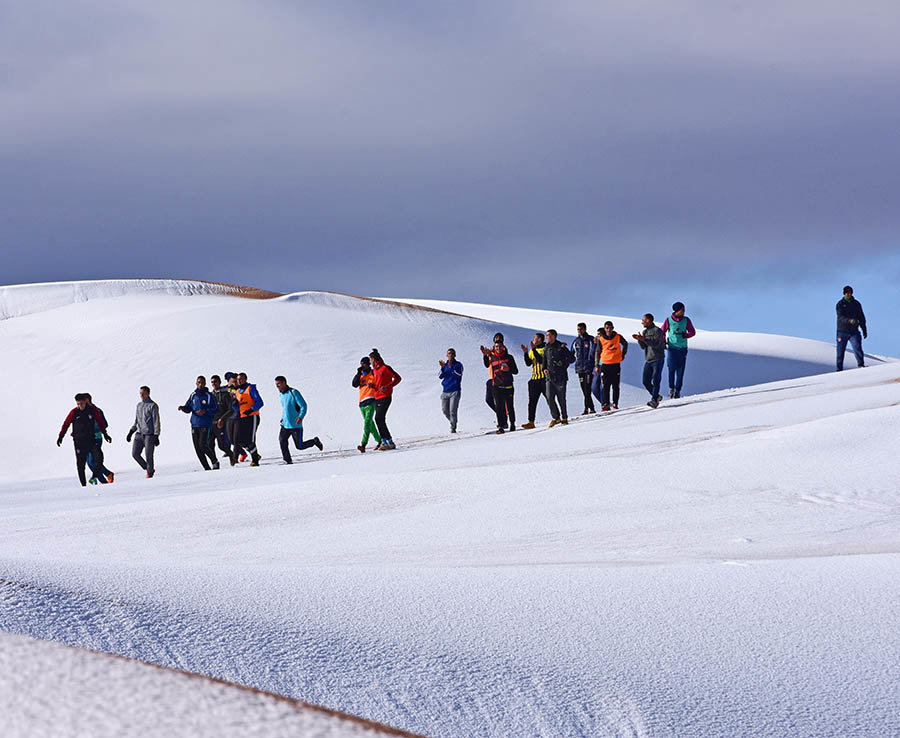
x=741, y=157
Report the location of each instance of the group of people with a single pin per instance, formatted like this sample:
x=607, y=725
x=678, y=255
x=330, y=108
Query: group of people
x=228, y=416
x=597, y=362
x=224, y=416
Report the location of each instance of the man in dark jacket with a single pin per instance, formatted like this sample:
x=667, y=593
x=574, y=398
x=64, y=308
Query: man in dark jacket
x=202, y=407
x=850, y=320
x=224, y=400
x=503, y=366
x=99, y=472
x=653, y=341
x=557, y=358
x=83, y=419
x=583, y=349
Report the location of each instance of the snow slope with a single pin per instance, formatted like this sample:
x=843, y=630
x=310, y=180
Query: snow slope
x=51, y=690
x=725, y=565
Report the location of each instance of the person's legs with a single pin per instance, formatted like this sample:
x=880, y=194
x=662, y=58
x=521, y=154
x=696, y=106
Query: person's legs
x=606, y=375
x=856, y=346
x=647, y=377
x=673, y=361
x=500, y=407
x=445, y=405
x=234, y=435
x=489, y=395
x=550, y=393
x=534, y=392
x=297, y=435
x=137, y=446
x=149, y=450
x=368, y=413
x=453, y=407
x=381, y=408
x=222, y=441
x=81, y=455
x=199, y=443
x=616, y=380
x=682, y=363
x=584, y=380
x=283, y=435
x=597, y=387
x=657, y=377
x=509, y=397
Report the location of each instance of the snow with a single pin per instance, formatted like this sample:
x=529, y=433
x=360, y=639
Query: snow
x=724, y=565
x=50, y=690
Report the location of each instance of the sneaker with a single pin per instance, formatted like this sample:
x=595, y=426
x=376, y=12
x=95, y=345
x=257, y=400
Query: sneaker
x=677, y=395
x=615, y=407
x=110, y=477
x=453, y=430
x=389, y=445
x=500, y=431
x=215, y=465
x=605, y=408
x=553, y=422
x=94, y=480
x=671, y=394
x=564, y=421
x=659, y=398
x=528, y=426
x=318, y=443
x=378, y=447
x=286, y=461
x=512, y=428
x=654, y=403
x=232, y=459
x=149, y=475
x=586, y=411
x=362, y=449
x=254, y=459
x=243, y=457
x=591, y=411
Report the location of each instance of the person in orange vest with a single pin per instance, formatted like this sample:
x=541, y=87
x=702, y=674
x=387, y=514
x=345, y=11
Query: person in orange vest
x=365, y=381
x=503, y=366
x=385, y=381
x=611, y=350
x=249, y=403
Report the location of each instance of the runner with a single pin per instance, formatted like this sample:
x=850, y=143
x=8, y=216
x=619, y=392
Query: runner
x=365, y=380
x=202, y=407
x=385, y=381
x=249, y=403
x=293, y=410
x=145, y=431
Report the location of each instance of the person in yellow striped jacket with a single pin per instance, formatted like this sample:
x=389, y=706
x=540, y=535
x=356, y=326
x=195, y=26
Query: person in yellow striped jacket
x=537, y=385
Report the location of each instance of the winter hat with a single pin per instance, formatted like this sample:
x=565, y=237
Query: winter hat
x=498, y=335
x=364, y=360
x=848, y=288
x=229, y=375
x=677, y=306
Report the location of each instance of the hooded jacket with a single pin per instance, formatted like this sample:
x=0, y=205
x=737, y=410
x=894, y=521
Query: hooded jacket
x=451, y=376
x=583, y=350
x=201, y=399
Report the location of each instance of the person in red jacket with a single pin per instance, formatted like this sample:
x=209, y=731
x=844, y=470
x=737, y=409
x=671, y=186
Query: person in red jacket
x=503, y=366
x=84, y=421
x=385, y=381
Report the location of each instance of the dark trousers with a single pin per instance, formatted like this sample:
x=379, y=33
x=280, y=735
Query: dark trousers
x=222, y=439
x=597, y=386
x=503, y=402
x=855, y=341
x=285, y=434
x=381, y=409
x=246, y=436
x=610, y=375
x=233, y=430
x=677, y=358
x=84, y=449
x=556, y=393
x=585, y=380
x=95, y=463
x=536, y=390
x=202, y=439
x=653, y=377
x=489, y=394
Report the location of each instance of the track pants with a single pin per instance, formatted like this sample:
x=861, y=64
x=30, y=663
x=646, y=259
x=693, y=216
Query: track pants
x=653, y=377
x=536, y=390
x=246, y=437
x=677, y=359
x=585, y=380
x=147, y=445
x=489, y=394
x=556, y=393
x=202, y=438
x=505, y=407
x=83, y=450
x=381, y=408
x=222, y=439
x=95, y=463
x=233, y=429
x=610, y=375
x=450, y=406
x=369, y=429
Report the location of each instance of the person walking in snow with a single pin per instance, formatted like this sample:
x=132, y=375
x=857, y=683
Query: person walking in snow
x=365, y=381
x=611, y=350
x=679, y=329
x=850, y=320
x=537, y=385
x=489, y=385
x=502, y=366
x=145, y=431
x=202, y=407
x=248, y=405
x=99, y=472
x=557, y=358
x=451, y=387
x=583, y=350
x=385, y=381
x=293, y=410
x=224, y=400
x=232, y=421
x=653, y=341
x=83, y=420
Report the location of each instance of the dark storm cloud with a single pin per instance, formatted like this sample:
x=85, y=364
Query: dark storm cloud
x=432, y=149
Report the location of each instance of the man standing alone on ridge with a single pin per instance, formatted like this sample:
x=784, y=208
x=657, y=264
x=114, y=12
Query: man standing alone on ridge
x=557, y=358
x=145, y=430
x=293, y=410
x=850, y=319
x=652, y=340
x=583, y=348
x=451, y=385
x=202, y=407
x=537, y=385
x=679, y=329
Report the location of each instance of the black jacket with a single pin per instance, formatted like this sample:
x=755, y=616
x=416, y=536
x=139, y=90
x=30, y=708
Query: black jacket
x=502, y=366
x=850, y=316
x=557, y=358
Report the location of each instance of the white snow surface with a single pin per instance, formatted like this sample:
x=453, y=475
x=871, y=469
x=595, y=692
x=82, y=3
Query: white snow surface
x=724, y=565
x=47, y=689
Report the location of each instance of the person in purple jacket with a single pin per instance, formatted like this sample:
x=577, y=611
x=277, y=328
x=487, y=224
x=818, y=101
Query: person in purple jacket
x=678, y=329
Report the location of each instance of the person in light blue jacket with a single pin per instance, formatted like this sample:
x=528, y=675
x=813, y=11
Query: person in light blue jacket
x=293, y=410
x=203, y=407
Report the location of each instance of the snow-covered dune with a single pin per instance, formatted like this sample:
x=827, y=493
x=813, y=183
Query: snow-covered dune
x=724, y=565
